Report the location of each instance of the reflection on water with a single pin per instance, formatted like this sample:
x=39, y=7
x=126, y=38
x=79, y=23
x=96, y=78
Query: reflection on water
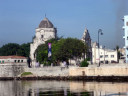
x=58, y=93
x=62, y=88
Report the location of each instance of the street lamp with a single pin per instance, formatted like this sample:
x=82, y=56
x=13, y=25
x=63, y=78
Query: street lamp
x=104, y=54
x=99, y=32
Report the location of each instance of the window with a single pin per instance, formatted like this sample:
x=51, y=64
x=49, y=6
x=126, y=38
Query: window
x=0, y=61
x=101, y=61
x=42, y=36
x=112, y=56
x=15, y=61
x=21, y=60
x=3, y=61
x=18, y=61
x=106, y=56
x=101, y=56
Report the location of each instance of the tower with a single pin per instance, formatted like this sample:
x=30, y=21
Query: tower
x=125, y=27
x=44, y=32
x=87, y=40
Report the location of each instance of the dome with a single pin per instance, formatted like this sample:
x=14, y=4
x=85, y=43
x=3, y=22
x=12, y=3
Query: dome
x=45, y=24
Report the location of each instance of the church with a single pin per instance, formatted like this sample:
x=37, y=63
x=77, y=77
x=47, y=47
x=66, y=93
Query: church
x=44, y=32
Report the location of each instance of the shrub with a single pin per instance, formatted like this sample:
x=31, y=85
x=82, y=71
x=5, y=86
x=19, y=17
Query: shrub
x=84, y=63
x=26, y=73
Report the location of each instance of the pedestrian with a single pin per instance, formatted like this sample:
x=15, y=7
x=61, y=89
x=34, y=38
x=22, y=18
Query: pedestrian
x=29, y=62
x=64, y=63
x=67, y=63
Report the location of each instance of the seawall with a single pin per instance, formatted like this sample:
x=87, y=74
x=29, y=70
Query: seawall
x=102, y=73
x=80, y=71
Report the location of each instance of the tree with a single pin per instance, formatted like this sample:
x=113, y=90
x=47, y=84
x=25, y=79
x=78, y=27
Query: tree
x=15, y=49
x=9, y=49
x=63, y=49
x=25, y=49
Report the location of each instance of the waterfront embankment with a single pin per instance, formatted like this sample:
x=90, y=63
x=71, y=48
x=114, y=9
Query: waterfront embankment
x=117, y=72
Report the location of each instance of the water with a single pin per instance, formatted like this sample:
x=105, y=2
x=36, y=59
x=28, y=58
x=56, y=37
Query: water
x=62, y=88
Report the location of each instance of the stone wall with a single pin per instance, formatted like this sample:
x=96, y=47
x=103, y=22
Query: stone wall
x=11, y=70
x=48, y=71
x=99, y=71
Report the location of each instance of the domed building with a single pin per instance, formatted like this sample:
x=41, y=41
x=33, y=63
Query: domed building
x=44, y=32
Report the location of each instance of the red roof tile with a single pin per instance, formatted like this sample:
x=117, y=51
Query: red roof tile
x=13, y=57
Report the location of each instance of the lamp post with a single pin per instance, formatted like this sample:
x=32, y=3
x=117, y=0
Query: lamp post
x=104, y=54
x=99, y=32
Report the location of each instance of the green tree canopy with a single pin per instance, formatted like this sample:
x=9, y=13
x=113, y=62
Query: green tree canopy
x=15, y=49
x=63, y=49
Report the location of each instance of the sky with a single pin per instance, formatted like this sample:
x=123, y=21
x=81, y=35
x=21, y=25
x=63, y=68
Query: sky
x=20, y=18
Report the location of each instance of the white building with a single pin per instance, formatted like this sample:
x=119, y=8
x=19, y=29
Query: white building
x=44, y=32
x=12, y=59
x=125, y=27
x=106, y=55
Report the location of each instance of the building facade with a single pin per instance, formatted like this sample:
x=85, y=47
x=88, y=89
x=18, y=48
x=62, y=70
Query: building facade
x=125, y=27
x=13, y=59
x=105, y=56
x=44, y=32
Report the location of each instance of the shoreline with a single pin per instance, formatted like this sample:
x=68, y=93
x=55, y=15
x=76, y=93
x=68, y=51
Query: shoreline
x=72, y=78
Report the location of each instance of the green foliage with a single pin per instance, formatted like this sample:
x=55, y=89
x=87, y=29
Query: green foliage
x=63, y=49
x=15, y=49
x=9, y=49
x=84, y=63
x=25, y=49
x=26, y=73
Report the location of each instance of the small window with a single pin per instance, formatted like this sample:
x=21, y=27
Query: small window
x=0, y=61
x=15, y=61
x=101, y=61
x=3, y=61
x=106, y=56
x=18, y=61
x=42, y=36
x=21, y=60
x=112, y=56
x=101, y=56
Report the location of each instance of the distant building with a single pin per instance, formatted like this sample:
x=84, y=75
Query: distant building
x=106, y=55
x=12, y=59
x=87, y=40
x=44, y=32
x=125, y=27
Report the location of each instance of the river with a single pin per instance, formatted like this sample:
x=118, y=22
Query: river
x=62, y=88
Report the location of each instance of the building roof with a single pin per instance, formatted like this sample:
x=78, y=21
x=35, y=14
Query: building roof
x=13, y=57
x=45, y=23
